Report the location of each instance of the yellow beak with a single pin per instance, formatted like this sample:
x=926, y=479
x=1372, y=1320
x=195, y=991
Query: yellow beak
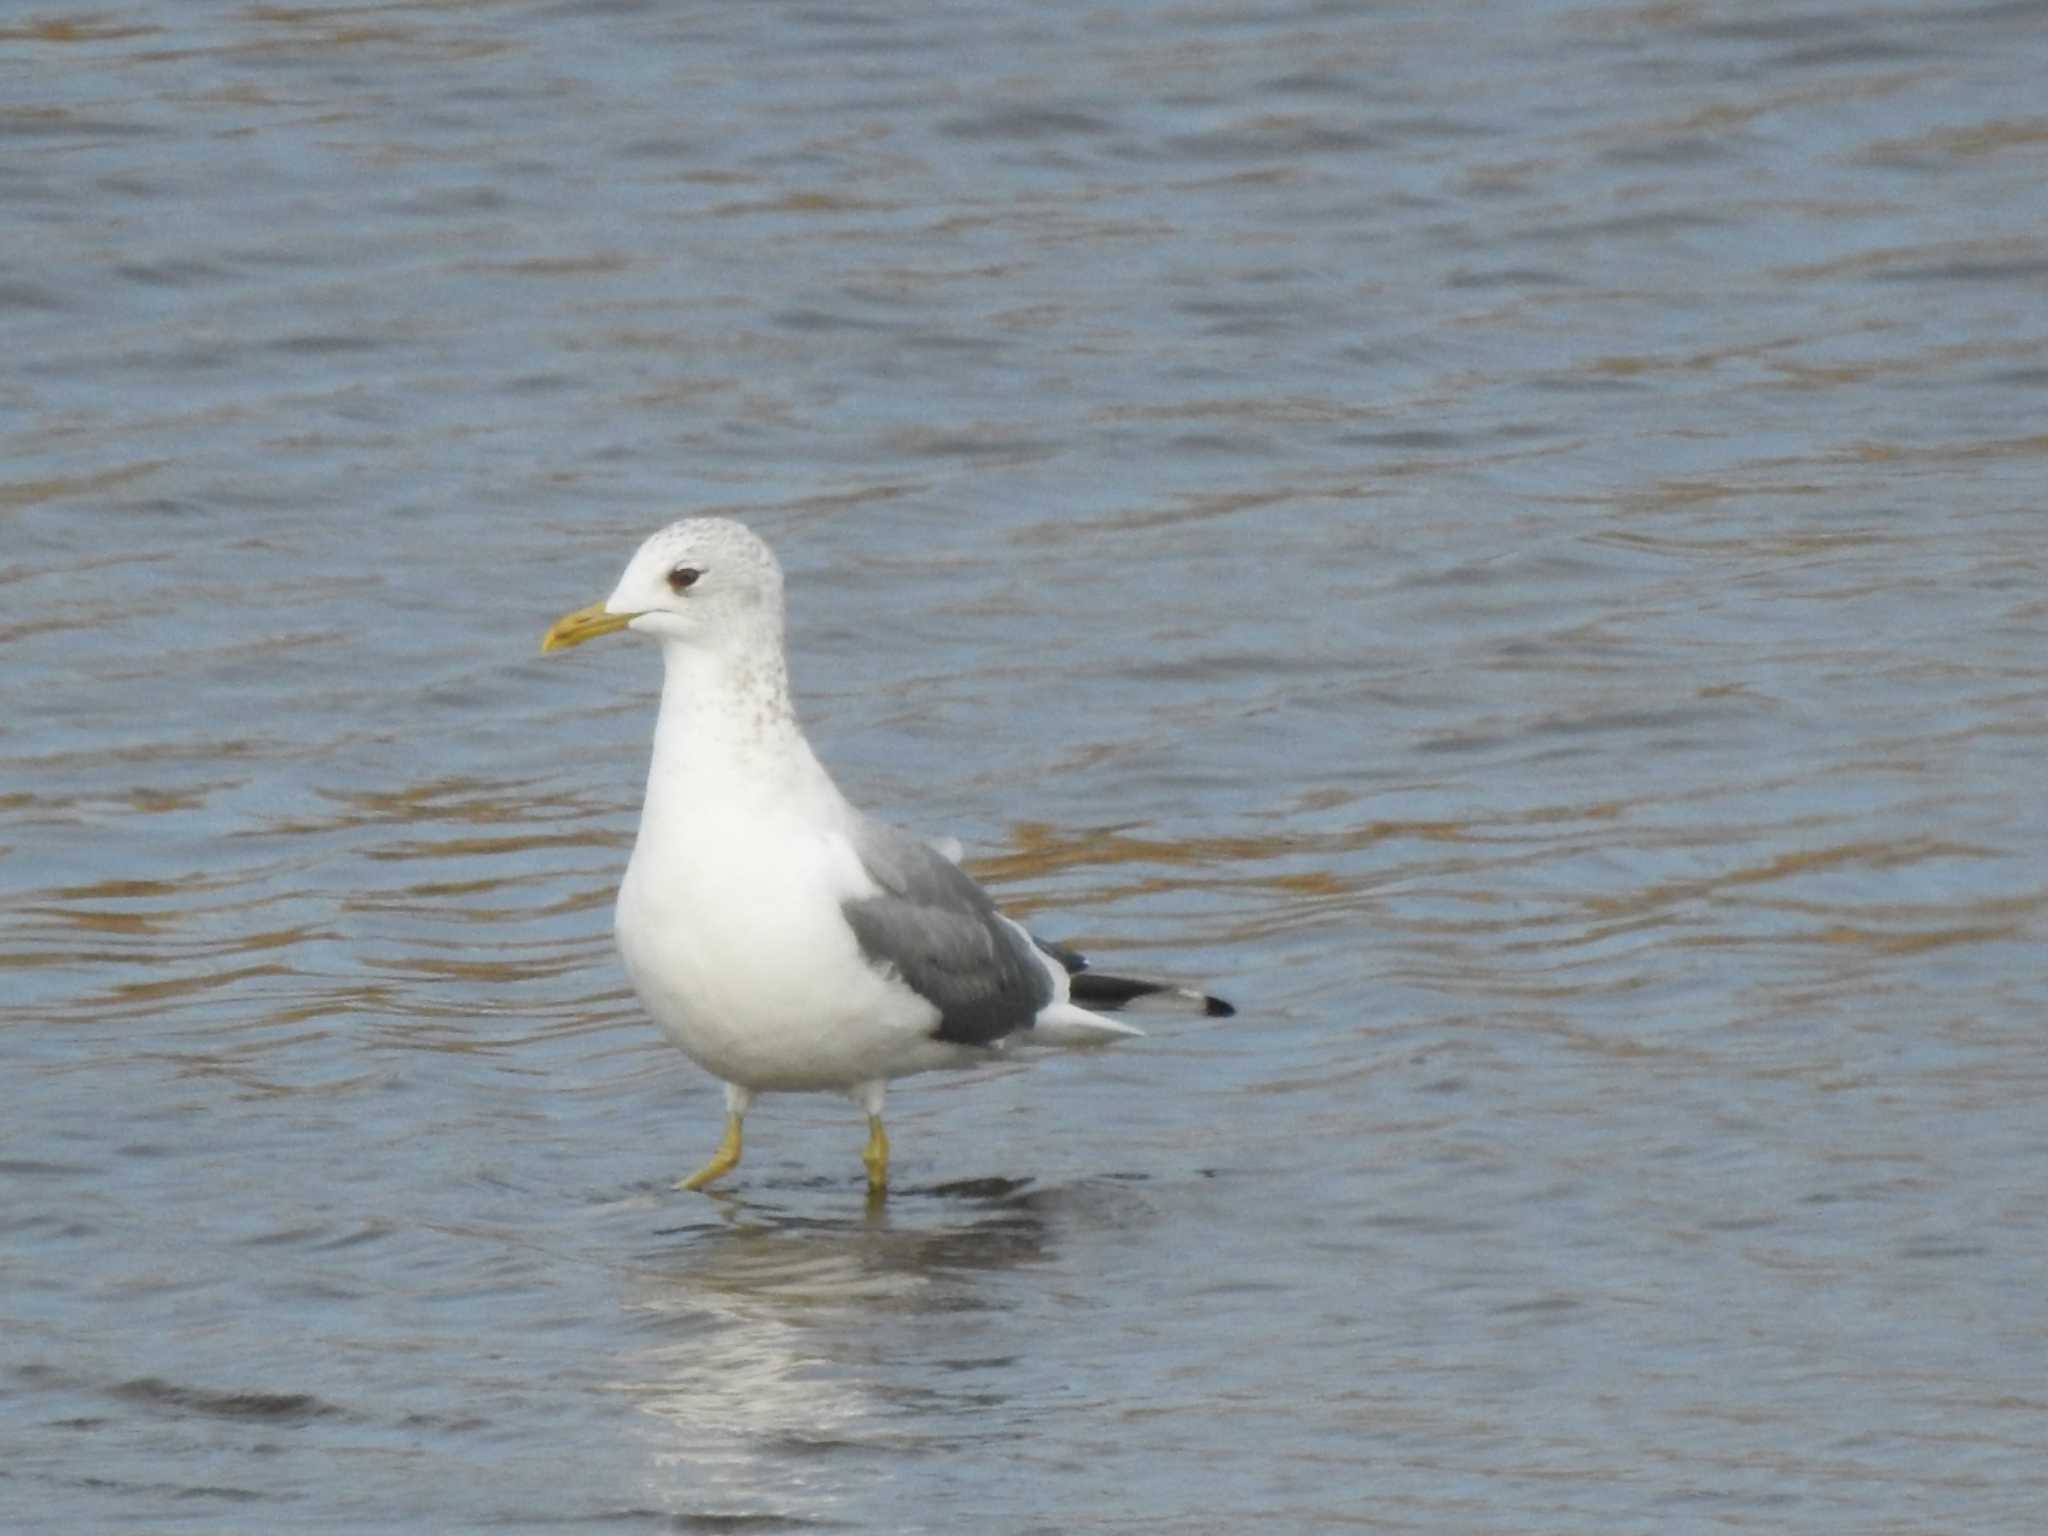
x=584, y=624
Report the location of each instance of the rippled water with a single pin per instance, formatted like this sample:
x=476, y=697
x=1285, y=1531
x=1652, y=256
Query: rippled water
x=1508, y=539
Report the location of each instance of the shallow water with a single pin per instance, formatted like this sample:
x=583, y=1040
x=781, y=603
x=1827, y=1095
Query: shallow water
x=1506, y=539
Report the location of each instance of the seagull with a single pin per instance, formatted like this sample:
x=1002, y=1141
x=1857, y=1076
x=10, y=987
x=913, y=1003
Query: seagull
x=782, y=939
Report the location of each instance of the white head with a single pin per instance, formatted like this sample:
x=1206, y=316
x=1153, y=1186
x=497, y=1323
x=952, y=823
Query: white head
x=704, y=581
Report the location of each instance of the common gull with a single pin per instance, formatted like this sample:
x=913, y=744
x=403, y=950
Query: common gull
x=784, y=940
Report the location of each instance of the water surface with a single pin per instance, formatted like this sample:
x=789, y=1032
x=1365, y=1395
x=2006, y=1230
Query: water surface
x=1505, y=538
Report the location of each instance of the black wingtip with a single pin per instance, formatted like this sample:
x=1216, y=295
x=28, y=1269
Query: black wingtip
x=1094, y=989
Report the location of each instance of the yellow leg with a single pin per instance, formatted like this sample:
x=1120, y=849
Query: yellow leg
x=876, y=1157
x=722, y=1160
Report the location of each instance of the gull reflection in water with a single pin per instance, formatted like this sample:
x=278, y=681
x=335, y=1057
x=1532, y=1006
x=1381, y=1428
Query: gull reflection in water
x=767, y=1329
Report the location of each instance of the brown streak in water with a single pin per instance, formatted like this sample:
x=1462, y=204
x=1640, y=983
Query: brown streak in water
x=1929, y=361
x=73, y=32
x=1186, y=509
x=580, y=901
x=107, y=922
x=1874, y=854
x=354, y=1000
x=12, y=632
x=1786, y=544
x=1868, y=938
x=126, y=890
x=464, y=847
x=25, y=493
x=1926, y=911
x=486, y=970
x=1667, y=494
x=595, y=264
x=465, y=801
x=1722, y=116
x=1984, y=139
x=801, y=202
x=39, y=959
x=157, y=991
x=1315, y=409
x=823, y=502
x=1045, y=850
x=151, y=753
x=429, y=890
x=680, y=392
x=1948, y=453
x=476, y=800
x=157, y=801
x=1318, y=894
x=1876, y=262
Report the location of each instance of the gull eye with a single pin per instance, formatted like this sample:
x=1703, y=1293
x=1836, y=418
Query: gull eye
x=683, y=577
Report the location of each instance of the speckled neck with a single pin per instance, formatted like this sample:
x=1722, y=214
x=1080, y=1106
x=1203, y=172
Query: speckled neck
x=727, y=741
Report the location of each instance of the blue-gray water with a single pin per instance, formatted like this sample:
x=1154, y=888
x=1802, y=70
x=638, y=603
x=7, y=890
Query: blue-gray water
x=1507, y=538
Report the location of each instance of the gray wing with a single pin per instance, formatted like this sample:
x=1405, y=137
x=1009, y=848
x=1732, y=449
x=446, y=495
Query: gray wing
x=932, y=927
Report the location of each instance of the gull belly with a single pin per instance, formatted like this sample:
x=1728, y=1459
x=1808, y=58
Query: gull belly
x=741, y=955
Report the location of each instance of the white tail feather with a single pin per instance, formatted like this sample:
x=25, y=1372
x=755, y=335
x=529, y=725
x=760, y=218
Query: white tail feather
x=1064, y=1024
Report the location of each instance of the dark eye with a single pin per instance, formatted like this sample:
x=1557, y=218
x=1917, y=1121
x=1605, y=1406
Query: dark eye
x=683, y=577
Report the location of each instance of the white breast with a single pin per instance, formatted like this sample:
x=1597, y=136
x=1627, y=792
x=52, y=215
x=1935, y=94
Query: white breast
x=738, y=950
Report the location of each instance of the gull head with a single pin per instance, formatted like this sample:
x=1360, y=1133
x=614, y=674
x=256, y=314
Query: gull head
x=701, y=581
